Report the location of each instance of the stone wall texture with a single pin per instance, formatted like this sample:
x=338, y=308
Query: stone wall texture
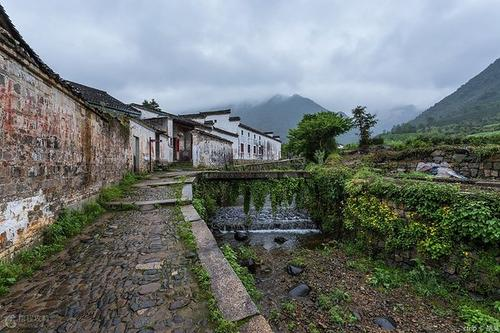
x=54, y=150
x=460, y=160
x=210, y=151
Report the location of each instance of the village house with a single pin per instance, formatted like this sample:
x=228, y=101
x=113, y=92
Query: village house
x=248, y=144
x=62, y=141
x=149, y=146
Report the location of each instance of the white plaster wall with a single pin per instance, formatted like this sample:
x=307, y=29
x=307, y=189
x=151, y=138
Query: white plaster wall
x=148, y=115
x=145, y=134
x=210, y=152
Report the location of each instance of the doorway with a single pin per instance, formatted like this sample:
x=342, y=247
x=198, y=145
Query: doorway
x=136, y=154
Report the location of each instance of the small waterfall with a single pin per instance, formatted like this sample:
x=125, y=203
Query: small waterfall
x=284, y=219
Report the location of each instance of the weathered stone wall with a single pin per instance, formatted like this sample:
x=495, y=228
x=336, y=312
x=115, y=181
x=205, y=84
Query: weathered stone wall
x=460, y=160
x=54, y=150
x=210, y=151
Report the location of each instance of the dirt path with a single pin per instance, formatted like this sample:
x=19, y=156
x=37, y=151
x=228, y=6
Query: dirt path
x=127, y=272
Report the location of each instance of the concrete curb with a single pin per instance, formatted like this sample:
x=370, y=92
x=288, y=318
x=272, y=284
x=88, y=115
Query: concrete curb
x=232, y=298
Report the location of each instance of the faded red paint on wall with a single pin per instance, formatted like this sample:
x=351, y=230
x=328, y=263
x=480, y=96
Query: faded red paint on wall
x=54, y=152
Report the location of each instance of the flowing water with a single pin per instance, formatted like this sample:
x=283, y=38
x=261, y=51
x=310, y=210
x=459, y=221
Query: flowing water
x=284, y=228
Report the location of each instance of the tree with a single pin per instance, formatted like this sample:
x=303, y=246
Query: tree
x=317, y=132
x=153, y=105
x=364, y=121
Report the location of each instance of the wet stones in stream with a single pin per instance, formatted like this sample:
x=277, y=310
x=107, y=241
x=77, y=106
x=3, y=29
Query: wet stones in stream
x=301, y=290
x=386, y=323
x=294, y=270
x=280, y=239
x=250, y=264
x=241, y=236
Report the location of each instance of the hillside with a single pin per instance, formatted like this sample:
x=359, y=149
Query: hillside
x=474, y=104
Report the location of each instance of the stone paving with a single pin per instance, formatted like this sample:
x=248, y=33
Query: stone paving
x=128, y=272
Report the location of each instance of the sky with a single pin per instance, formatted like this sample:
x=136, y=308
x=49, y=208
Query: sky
x=196, y=54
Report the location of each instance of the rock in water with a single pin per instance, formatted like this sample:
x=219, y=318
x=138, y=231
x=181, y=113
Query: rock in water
x=250, y=264
x=241, y=235
x=301, y=290
x=386, y=323
x=294, y=270
x=280, y=239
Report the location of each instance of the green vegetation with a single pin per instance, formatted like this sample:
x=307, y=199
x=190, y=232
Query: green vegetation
x=478, y=321
x=69, y=223
x=333, y=303
x=317, y=132
x=221, y=325
x=242, y=272
x=111, y=193
x=364, y=121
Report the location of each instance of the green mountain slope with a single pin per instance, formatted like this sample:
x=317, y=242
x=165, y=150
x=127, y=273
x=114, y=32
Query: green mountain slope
x=473, y=105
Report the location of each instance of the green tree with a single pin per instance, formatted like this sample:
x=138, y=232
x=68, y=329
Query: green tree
x=153, y=105
x=364, y=121
x=317, y=132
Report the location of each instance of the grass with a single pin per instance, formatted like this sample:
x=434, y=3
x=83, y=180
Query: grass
x=242, y=272
x=221, y=325
x=202, y=277
x=69, y=223
x=445, y=297
x=333, y=303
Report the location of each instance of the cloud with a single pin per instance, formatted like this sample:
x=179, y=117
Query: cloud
x=194, y=54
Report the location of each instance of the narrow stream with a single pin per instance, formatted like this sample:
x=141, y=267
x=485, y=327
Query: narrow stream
x=285, y=228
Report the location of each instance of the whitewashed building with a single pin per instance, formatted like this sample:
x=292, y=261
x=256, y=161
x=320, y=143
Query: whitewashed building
x=248, y=143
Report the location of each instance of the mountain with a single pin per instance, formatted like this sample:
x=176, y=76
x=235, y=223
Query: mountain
x=475, y=103
x=278, y=114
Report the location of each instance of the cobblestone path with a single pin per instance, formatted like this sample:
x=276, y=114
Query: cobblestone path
x=128, y=272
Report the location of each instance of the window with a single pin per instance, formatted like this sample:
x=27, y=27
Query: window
x=254, y=136
x=241, y=132
x=248, y=134
x=255, y=150
x=242, y=148
x=249, y=149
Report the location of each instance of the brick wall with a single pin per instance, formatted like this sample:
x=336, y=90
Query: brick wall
x=54, y=150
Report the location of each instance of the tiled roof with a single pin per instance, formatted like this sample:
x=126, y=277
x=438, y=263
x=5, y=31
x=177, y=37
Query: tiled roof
x=101, y=98
x=257, y=131
x=205, y=113
x=145, y=108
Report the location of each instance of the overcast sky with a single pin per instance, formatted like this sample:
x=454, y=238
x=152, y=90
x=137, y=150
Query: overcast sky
x=195, y=54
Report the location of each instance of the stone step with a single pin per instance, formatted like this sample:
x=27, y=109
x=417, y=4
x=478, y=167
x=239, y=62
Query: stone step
x=169, y=182
x=165, y=202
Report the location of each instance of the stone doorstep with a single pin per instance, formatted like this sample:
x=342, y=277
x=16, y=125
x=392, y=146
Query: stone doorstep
x=232, y=298
x=166, y=202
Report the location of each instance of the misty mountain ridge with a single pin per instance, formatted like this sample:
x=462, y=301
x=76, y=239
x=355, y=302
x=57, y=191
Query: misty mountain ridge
x=280, y=112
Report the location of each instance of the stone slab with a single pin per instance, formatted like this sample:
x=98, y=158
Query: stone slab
x=157, y=183
x=190, y=214
x=257, y=324
x=166, y=202
x=187, y=191
x=232, y=298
